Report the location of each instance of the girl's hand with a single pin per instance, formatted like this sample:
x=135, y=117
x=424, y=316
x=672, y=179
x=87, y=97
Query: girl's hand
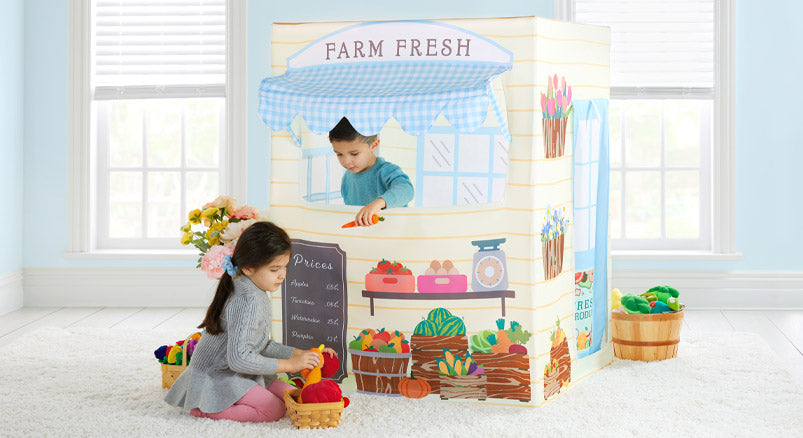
x=329, y=351
x=304, y=359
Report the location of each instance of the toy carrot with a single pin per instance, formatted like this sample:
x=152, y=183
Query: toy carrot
x=374, y=220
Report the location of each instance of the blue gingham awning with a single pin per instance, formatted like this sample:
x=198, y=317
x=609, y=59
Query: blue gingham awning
x=370, y=93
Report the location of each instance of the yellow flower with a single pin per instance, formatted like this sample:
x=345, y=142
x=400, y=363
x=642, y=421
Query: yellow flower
x=195, y=216
x=187, y=227
x=209, y=212
x=213, y=236
x=186, y=239
x=206, y=221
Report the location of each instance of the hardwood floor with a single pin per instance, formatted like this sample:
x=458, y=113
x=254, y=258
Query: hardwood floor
x=781, y=330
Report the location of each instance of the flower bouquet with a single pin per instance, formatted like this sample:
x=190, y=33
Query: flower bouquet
x=556, y=105
x=218, y=225
x=552, y=241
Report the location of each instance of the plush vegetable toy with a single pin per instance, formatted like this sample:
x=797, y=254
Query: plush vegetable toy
x=665, y=294
x=315, y=389
x=616, y=299
x=635, y=304
x=659, y=307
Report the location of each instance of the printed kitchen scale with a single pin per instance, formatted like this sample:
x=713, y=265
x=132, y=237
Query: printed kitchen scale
x=490, y=266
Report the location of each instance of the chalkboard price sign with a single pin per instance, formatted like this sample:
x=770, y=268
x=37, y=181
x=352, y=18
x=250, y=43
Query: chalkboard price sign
x=314, y=299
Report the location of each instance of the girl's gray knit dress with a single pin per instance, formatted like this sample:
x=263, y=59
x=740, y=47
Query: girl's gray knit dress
x=227, y=365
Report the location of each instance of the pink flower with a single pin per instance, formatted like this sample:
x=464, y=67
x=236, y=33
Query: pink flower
x=225, y=202
x=245, y=212
x=211, y=261
x=569, y=97
x=555, y=81
x=233, y=231
x=550, y=106
x=543, y=103
x=559, y=98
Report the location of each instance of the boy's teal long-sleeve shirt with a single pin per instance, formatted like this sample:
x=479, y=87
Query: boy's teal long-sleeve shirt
x=382, y=180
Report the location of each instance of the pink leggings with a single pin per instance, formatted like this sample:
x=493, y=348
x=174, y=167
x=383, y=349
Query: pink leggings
x=258, y=405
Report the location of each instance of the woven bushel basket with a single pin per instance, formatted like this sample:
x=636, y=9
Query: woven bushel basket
x=311, y=415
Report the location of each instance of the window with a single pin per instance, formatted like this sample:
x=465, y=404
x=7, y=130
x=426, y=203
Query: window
x=669, y=121
x=154, y=113
x=450, y=174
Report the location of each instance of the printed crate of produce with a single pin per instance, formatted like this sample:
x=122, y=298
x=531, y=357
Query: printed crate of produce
x=440, y=329
x=442, y=278
x=461, y=377
x=504, y=357
x=390, y=277
x=379, y=361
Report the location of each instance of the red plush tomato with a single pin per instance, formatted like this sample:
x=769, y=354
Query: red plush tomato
x=325, y=391
x=330, y=365
x=346, y=402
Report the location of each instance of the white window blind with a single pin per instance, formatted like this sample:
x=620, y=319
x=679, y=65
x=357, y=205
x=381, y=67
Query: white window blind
x=159, y=48
x=656, y=43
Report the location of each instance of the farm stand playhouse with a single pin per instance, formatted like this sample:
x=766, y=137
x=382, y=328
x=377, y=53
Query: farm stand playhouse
x=492, y=284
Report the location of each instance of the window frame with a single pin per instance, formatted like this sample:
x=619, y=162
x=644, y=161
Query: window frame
x=721, y=234
x=82, y=240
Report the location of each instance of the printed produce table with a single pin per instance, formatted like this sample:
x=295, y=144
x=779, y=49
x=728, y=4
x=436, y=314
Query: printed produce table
x=502, y=294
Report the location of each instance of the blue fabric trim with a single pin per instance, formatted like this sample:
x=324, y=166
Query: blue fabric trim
x=369, y=93
x=596, y=256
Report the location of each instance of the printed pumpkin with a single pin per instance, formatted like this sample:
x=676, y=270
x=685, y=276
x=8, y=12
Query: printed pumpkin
x=414, y=388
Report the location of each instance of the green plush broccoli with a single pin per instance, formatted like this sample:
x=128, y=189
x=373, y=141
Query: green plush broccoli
x=635, y=304
x=664, y=294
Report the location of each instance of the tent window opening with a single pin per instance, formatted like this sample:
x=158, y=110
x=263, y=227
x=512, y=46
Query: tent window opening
x=320, y=175
x=461, y=169
x=446, y=167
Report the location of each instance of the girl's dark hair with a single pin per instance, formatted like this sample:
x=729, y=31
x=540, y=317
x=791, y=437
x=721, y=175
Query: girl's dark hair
x=259, y=244
x=343, y=131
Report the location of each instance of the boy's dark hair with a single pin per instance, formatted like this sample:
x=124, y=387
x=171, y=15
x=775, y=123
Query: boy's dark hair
x=343, y=131
x=259, y=244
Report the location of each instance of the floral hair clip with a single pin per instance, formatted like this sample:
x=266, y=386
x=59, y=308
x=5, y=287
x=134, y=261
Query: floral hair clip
x=228, y=266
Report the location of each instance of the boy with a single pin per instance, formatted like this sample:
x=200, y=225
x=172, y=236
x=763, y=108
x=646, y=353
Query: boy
x=370, y=181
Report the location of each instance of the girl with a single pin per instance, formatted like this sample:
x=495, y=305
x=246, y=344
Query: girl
x=233, y=370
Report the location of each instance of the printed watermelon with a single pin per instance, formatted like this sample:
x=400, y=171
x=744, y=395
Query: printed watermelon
x=452, y=326
x=425, y=328
x=438, y=315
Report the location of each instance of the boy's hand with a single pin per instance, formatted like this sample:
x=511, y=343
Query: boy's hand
x=363, y=218
x=329, y=351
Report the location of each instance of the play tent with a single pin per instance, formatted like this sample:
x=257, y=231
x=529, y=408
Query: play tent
x=501, y=260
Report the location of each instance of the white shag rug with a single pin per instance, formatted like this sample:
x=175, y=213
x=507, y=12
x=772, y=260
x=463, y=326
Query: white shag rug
x=84, y=382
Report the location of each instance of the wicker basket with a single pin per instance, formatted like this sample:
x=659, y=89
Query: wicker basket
x=171, y=372
x=311, y=415
x=646, y=337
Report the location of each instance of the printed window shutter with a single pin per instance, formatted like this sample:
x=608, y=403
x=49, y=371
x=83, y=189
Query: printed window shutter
x=156, y=45
x=656, y=43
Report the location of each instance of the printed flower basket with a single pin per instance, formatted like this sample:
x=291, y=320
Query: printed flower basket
x=474, y=387
x=554, y=136
x=552, y=251
x=311, y=415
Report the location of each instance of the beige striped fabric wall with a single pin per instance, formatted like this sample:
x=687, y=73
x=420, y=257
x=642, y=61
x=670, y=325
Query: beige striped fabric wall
x=415, y=236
